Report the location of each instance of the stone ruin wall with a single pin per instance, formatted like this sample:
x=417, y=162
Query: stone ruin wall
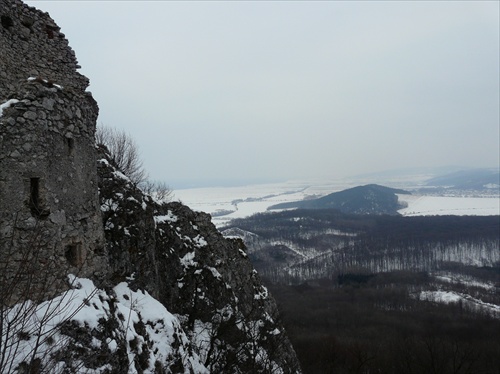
x=33, y=46
x=50, y=219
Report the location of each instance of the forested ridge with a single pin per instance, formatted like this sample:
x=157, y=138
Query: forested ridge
x=377, y=324
x=293, y=246
x=379, y=293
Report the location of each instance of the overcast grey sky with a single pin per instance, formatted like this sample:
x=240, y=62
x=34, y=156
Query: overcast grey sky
x=292, y=89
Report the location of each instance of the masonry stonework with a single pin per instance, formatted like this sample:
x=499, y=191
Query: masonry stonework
x=50, y=219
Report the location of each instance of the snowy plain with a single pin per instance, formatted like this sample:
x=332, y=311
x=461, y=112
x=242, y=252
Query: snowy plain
x=227, y=203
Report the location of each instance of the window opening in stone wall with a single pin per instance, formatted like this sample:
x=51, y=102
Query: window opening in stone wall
x=35, y=200
x=70, y=143
x=35, y=194
x=74, y=255
x=6, y=21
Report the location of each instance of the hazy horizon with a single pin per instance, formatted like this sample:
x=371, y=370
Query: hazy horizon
x=269, y=91
x=375, y=177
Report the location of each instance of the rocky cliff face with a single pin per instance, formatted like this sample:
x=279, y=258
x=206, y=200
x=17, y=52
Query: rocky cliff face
x=130, y=284
x=207, y=281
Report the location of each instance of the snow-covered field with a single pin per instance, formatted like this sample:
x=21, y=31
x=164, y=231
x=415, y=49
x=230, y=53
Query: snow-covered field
x=226, y=203
x=447, y=297
x=422, y=205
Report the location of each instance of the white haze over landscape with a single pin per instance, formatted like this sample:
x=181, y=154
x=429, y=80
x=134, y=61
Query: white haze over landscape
x=234, y=92
x=226, y=203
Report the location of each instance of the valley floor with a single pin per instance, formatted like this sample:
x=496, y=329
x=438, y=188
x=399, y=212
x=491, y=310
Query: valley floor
x=391, y=323
x=227, y=203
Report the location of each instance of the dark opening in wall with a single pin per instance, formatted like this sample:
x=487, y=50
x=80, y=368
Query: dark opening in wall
x=6, y=21
x=74, y=254
x=35, y=199
x=70, y=143
x=35, y=192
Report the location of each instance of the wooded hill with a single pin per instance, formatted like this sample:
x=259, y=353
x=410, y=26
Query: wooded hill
x=369, y=199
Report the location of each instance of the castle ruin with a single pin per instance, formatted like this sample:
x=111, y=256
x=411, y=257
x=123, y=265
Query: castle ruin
x=50, y=219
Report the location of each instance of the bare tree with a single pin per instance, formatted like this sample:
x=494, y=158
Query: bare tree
x=124, y=152
x=157, y=189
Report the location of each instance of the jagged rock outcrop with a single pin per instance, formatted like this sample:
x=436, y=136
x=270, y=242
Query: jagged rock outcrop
x=129, y=284
x=180, y=258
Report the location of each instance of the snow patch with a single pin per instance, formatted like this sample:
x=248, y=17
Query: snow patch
x=242, y=252
x=7, y=104
x=169, y=217
x=88, y=306
x=109, y=205
x=30, y=79
x=448, y=297
x=199, y=241
x=118, y=174
x=188, y=260
x=215, y=273
x=449, y=205
x=261, y=295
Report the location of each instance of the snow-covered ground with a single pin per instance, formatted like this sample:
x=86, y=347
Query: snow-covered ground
x=447, y=297
x=226, y=203
x=32, y=330
x=422, y=205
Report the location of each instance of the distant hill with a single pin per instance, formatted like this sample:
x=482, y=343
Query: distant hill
x=369, y=199
x=476, y=179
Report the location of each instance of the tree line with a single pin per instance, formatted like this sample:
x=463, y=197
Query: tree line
x=373, y=323
x=304, y=244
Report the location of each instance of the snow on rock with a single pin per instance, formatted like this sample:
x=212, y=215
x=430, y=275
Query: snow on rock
x=7, y=104
x=199, y=241
x=198, y=275
x=120, y=175
x=242, y=252
x=169, y=217
x=163, y=329
x=188, y=260
x=109, y=205
x=215, y=273
x=103, y=161
x=146, y=336
x=263, y=293
x=47, y=82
